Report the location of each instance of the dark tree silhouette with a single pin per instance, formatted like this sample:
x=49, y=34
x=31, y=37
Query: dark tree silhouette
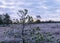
x=17, y=21
x=7, y=19
x=1, y=21
x=37, y=21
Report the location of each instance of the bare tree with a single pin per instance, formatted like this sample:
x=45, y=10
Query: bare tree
x=23, y=16
x=30, y=19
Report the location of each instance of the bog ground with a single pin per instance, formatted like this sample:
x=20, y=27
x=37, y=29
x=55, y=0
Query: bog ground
x=50, y=32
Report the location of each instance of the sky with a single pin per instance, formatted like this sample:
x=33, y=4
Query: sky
x=47, y=9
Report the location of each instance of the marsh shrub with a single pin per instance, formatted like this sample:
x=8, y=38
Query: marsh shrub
x=31, y=36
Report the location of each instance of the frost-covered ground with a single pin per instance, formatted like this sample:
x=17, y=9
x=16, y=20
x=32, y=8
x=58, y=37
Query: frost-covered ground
x=49, y=32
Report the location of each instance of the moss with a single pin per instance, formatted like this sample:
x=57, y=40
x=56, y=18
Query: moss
x=49, y=40
x=49, y=34
x=57, y=33
x=52, y=37
x=37, y=28
x=42, y=38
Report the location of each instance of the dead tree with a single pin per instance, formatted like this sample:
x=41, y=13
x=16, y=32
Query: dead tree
x=22, y=14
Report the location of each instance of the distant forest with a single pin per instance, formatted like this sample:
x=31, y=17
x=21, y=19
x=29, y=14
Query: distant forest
x=24, y=18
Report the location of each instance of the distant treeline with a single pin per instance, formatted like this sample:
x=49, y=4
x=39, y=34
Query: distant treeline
x=50, y=21
x=5, y=19
x=24, y=18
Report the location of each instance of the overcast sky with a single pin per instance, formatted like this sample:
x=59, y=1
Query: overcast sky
x=47, y=9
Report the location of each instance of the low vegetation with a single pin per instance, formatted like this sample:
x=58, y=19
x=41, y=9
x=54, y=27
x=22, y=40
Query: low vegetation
x=32, y=35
